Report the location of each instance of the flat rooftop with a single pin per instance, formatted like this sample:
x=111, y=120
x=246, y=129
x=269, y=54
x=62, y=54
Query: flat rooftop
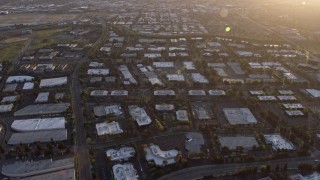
x=237, y=116
x=124, y=153
x=119, y=93
x=164, y=93
x=27, y=125
x=31, y=168
x=41, y=109
x=197, y=93
x=139, y=115
x=313, y=92
x=217, y=92
x=278, y=142
x=164, y=107
x=182, y=115
x=232, y=142
x=101, y=111
x=51, y=82
x=154, y=153
x=67, y=174
x=108, y=128
x=194, y=141
x=41, y=136
x=124, y=172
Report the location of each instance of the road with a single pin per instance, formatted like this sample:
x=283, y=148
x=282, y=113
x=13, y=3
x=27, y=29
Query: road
x=81, y=147
x=135, y=140
x=217, y=170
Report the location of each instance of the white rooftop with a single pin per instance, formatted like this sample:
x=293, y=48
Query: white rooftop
x=197, y=93
x=292, y=105
x=287, y=98
x=51, y=82
x=9, y=99
x=294, y=113
x=139, y=115
x=161, y=158
x=163, y=64
x=124, y=172
x=188, y=65
x=124, y=153
x=197, y=77
x=314, y=92
x=278, y=142
x=6, y=108
x=42, y=97
x=285, y=92
x=119, y=93
x=28, y=86
x=257, y=92
x=182, y=115
x=164, y=107
x=217, y=92
x=175, y=77
x=96, y=64
x=99, y=93
x=108, y=128
x=98, y=72
x=27, y=125
x=164, y=93
x=12, y=79
x=267, y=98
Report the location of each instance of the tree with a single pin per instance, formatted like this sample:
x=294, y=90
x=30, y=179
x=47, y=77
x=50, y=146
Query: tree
x=285, y=167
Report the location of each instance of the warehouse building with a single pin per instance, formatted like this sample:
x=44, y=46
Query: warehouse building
x=160, y=157
x=19, y=169
x=278, y=142
x=16, y=79
x=6, y=108
x=234, y=142
x=182, y=115
x=30, y=125
x=52, y=82
x=108, y=128
x=164, y=93
x=122, y=154
x=139, y=115
x=124, y=171
x=38, y=136
x=164, y=107
x=9, y=99
x=42, y=97
x=239, y=116
x=101, y=111
x=41, y=109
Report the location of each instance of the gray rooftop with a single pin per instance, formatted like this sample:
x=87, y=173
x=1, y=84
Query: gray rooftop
x=68, y=174
x=237, y=116
x=40, y=109
x=27, y=168
x=194, y=142
x=41, y=136
x=247, y=142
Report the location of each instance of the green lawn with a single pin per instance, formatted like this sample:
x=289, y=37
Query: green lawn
x=11, y=51
x=43, y=38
